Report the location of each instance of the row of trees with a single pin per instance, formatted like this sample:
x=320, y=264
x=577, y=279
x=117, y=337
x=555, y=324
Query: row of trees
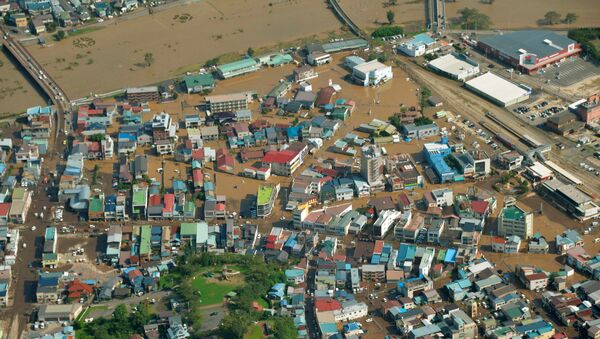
x=555, y=18
x=588, y=38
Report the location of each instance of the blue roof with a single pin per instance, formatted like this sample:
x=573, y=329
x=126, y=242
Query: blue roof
x=375, y=259
x=328, y=328
x=450, y=255
x=48, y=281
x=423, y=38
x=351, y=327
x=126, y=136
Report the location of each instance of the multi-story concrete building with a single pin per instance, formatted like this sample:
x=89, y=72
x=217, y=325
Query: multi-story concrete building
x=371, y=168
x=228, y=102
x=515, y=221
x=265, y=199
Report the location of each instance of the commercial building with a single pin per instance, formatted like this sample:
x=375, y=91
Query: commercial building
x=318, y=58
x=515, y=221
x=265, y=199
x=528, y=50
x=497, y=90
x=435, y=154
x=228, y=102
x=565, y=123
x=570, y=199
x=236, y=68
x=344, y=45
x=419, y=45
x=143, y=94
x=420, y=132
x=59, y=313
x=589, y=111
x=285, y=162
x=455, y=66
x=371, y=73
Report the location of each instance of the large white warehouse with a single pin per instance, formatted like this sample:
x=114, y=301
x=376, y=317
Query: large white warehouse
x=455, y=66
x=497, y=90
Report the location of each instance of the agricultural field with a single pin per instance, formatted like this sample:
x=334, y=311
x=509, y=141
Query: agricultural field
x=179, y=39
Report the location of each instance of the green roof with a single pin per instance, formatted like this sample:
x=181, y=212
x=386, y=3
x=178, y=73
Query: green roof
x=513, y=213
x=189, y=206
x=188, y=228
x=140, y=196
x=204, y=80
x=237, y=65
x=49, y=256
x=146, y=232
x=264, y=194
x=97, y=204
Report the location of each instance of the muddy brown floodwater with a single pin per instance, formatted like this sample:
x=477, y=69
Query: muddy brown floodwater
x=505, y=14
x=16, y=91
x=189, y=34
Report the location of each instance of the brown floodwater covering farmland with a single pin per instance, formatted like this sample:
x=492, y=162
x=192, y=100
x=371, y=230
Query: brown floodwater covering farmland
x=504, y=14
x=190, y=34
x=16, y=91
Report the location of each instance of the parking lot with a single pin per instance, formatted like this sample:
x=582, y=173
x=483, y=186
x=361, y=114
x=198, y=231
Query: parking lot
x=537, y=111
x=569, y=72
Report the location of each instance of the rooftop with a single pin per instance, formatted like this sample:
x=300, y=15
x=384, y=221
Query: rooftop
x=497, y=87
x=539, y=42
x=264, y=194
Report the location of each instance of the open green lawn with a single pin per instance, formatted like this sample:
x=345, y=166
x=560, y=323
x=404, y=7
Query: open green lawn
x=212, y=293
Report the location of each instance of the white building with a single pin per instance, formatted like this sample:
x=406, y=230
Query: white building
x=497, y=90
x=318, y=58
x=419, y=45
x=351, y=310
x=455, y=66
x=371, y=73
x=385, y=222
x=443, y=197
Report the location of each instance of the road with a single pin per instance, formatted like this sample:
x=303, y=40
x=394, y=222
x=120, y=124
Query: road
x=44, y=80
x=473, y=108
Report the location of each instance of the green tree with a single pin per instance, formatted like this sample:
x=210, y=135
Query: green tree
x=390, y=16
x=571, y=18
x=552, y=18
x=283, y=328
x=60, y=35
x=234, y=325
x=385, y=31
x=471, y=18
x=50, y=27
x=250, y=52
x=97, y=137
x=148, y=59
x=211, y=62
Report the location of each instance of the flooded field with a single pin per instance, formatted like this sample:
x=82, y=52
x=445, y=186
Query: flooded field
x=189, y=34
x=505, y=14
x=16, y=92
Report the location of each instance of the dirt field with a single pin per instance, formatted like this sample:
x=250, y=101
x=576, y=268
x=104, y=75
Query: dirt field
x=112, y=57
x=504, y=13
x=16, y=92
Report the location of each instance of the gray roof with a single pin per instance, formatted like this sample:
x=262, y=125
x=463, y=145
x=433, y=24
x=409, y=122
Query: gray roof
x=530, y=40
x=563, y=117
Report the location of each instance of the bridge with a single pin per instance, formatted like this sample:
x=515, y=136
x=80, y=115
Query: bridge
x=50, y=87
x=346, y=19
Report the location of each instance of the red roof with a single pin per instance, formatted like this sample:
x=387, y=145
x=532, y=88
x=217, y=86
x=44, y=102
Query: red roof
x=327, y=304
x=198, y=154
x=197, y=175
x=154, y=200
x=479, y=206
x=498, y=240
x=378, y=247
x=279, y=157
x=225, y=160
x=94, y=146
x=169, y=203
x=536, y=276
x=79, y=288
x=4, y=208
x=404, y=199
